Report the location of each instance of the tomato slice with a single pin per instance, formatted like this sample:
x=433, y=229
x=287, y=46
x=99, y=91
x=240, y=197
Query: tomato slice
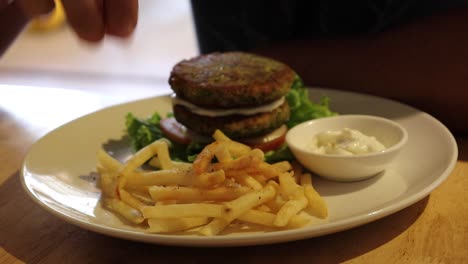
x=177, y=132
x=270, y=141
x=174, y=130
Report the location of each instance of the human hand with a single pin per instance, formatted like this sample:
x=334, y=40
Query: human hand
x=90, y=19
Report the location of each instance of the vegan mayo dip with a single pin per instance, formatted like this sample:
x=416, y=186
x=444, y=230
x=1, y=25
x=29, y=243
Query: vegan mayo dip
x=345, y=142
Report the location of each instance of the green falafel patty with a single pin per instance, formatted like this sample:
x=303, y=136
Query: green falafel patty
x=234, y=126
x=231, y=79
x=241, y=94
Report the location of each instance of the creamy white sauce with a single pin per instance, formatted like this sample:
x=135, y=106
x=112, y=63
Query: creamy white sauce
x=225, y=112
x=345, y=142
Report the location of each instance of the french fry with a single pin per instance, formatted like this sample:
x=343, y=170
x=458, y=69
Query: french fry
x=107, y=162
x=184, y=210
x=167, y=202
x=282, y=166
x=123, y=209
x=258, y=217
x=214, y=227
x=203, y=160
x=131, y=200
x=267, y=219
x=252, y=159
x=160, y=177
x=291, y=208
x=287, y=184
x=158, y=225
x=238, y=174
x=267, y=170
x=263, y=207
x=222, y=153
x=174, y=177
x=220, y=136
x=108, y=168
x=191, y=194
x=249, y=181
x=241, y=205
x=142, y=156
x=156, y=163
x=316, y=204
x=276, y=203
x=236, y=208
x=299, y=220
x=235, y=148
x=162, y=152
x=109, y=184
x=207, y=179
x=142, y=194
x=146, y=153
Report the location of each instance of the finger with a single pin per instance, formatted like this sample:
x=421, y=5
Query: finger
x=121, y=16
x=34, y=8
x=86, y=18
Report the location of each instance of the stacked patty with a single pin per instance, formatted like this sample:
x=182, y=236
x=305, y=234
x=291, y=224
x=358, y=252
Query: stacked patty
x=241, y=94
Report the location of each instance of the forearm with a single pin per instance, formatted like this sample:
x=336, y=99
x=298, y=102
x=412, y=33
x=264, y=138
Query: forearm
x=12, y=21
x=424, y=64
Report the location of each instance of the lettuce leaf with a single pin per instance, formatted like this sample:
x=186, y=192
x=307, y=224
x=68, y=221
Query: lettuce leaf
x=302, y=108
x=281, y=154
x=143, y=132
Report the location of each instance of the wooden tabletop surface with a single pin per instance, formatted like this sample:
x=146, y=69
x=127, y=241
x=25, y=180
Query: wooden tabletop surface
x=433, y=230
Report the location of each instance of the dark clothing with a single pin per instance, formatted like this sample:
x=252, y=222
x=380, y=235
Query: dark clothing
x=243, y=25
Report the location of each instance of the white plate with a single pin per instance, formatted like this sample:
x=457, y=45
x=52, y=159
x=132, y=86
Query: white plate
x=58, y=172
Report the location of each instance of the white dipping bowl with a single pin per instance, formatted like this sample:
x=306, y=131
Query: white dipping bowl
x=347, y=167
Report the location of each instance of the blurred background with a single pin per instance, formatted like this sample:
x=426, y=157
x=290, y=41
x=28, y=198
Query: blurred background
x=56, y=58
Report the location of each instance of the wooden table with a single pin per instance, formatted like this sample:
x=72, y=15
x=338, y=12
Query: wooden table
x=433, y=230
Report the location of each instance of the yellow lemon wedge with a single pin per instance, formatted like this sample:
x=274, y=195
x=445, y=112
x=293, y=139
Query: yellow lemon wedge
x=50, y=21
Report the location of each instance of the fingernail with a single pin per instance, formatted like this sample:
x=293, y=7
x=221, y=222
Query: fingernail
x=128, y=29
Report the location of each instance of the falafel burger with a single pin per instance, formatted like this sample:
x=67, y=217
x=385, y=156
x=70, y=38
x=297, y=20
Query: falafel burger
x=241, y=94
x=250, y=98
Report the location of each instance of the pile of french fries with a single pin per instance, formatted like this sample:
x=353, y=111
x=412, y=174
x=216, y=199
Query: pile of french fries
x=228, y=183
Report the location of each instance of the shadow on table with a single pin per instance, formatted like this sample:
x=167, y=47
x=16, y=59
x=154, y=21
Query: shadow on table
x=31, y=234
x=462, y=142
